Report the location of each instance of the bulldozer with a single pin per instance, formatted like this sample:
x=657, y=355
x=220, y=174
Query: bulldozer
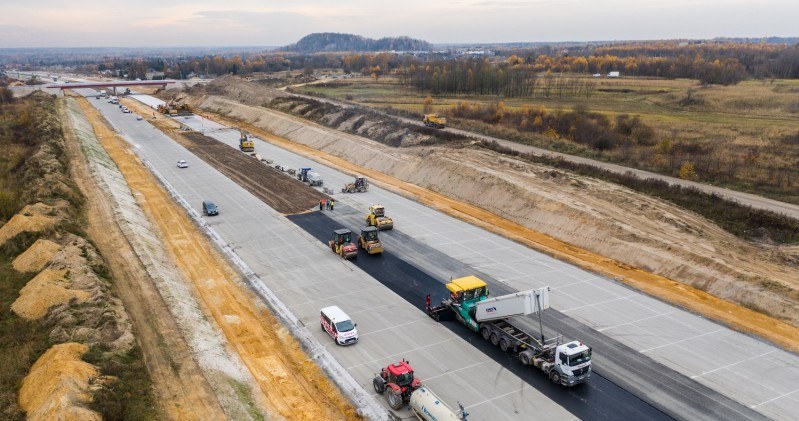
x=368, y=240
x=360, y=185
x=377, y=218
x=245, y=143
x=342, y=244
x=435, y=121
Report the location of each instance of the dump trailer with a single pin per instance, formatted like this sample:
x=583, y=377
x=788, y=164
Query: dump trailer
x=429, y=407
x=245, y=143
x=567, y=364
x=435, y=121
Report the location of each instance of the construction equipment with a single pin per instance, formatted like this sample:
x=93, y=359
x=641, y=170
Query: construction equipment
x=245, y=143
x=360, y=185
x=566, y=364
x=398, y=382
x=342, y=244
x=435, y=121
x=429, y=407
x=309, y=176
x=368, y=240
x=377, y=218
x=172, y=108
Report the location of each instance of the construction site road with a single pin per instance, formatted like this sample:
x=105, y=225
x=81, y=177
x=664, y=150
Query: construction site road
x=306, y=276
x=726, y=361
x=626, y=384
x=597, y=399
x=755, y=201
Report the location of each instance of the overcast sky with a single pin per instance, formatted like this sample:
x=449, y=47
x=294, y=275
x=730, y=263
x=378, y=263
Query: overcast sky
x=153, y=23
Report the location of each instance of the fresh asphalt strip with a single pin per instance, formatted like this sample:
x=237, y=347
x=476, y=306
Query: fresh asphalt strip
x=597, y=399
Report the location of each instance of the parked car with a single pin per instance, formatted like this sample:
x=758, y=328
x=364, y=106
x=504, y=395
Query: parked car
x=209, y=208
x=183, y=164
x=138, y=117
x=338, y=325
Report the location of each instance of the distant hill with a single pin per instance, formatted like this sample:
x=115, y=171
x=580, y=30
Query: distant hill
x=330, y=41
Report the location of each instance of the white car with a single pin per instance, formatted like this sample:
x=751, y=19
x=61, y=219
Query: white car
x=138, y=117
x=183, y=164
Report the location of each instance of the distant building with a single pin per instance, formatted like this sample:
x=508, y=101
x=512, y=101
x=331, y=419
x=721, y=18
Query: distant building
x=613, y=74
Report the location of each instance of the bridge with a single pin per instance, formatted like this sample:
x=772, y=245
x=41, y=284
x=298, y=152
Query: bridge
x=111, y=84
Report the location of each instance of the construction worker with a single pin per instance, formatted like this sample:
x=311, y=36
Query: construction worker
x=332, y=203
x=321, y=204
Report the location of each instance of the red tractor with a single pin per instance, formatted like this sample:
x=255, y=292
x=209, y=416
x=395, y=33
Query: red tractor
x=398, y=381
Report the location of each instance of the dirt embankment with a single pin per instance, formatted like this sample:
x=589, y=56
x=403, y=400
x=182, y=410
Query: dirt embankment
x=277, y=190
x=178, y=382
x=294, y=386
x=629, y=229
x=61, y=296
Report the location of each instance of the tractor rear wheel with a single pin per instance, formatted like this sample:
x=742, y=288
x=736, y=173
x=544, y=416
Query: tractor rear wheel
x=394, y=399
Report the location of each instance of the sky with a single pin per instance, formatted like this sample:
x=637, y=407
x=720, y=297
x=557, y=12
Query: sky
x=179, y=23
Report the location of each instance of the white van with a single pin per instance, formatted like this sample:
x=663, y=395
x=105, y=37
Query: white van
x=338, y=325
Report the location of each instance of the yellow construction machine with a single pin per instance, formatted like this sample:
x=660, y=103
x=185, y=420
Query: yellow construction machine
x=435, y=121
x=368, y=240
x=172, y=108
x=245, y=143
x=377, y=218
x=360, y=185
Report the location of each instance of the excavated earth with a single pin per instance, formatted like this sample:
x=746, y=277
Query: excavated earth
x=274, y=188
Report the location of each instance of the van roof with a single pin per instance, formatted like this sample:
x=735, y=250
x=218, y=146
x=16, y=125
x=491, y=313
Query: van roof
x=335, y=314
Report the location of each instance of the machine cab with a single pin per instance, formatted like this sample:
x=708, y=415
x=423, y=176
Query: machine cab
x=342, y=236
x=378, y=211
x=369, y=233
x=401, y=374
x=467, y=290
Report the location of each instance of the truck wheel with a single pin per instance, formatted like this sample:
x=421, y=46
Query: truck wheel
x=379, y=385
x=555, y=377
x=504, y=345
x=486, y=333
x=494, y=339
x=394, y=399
x=524, y=358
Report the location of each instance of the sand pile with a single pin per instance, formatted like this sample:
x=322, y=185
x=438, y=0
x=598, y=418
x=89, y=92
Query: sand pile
x=36, y=257
x=49, y=288
x=57, y=386
x=32, y=218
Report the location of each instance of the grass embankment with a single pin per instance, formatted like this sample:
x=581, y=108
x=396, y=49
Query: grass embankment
x=33, y=169
x=734, y=136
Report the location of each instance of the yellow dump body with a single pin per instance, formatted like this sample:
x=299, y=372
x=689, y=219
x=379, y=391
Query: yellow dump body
x=434, y=120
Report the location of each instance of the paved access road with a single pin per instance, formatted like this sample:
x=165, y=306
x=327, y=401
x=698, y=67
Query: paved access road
x=758, y=375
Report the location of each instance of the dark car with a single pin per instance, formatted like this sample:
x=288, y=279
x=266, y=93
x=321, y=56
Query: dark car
x=209, y=208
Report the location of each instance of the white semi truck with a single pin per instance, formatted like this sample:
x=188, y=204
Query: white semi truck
x=567, y=364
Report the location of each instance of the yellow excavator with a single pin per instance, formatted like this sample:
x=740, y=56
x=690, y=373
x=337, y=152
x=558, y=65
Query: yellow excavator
x=377, y=218
x=435, y=121
x=172, y=108
x=245, y=143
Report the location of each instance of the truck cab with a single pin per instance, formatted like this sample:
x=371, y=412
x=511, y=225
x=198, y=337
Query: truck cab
x=573, y=362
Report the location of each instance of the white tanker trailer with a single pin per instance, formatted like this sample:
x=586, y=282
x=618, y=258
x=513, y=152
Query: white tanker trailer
x=428, y=407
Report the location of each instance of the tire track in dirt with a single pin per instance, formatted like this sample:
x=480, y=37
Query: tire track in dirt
x=179, y=384
x=279, y=191
x=294, y=387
